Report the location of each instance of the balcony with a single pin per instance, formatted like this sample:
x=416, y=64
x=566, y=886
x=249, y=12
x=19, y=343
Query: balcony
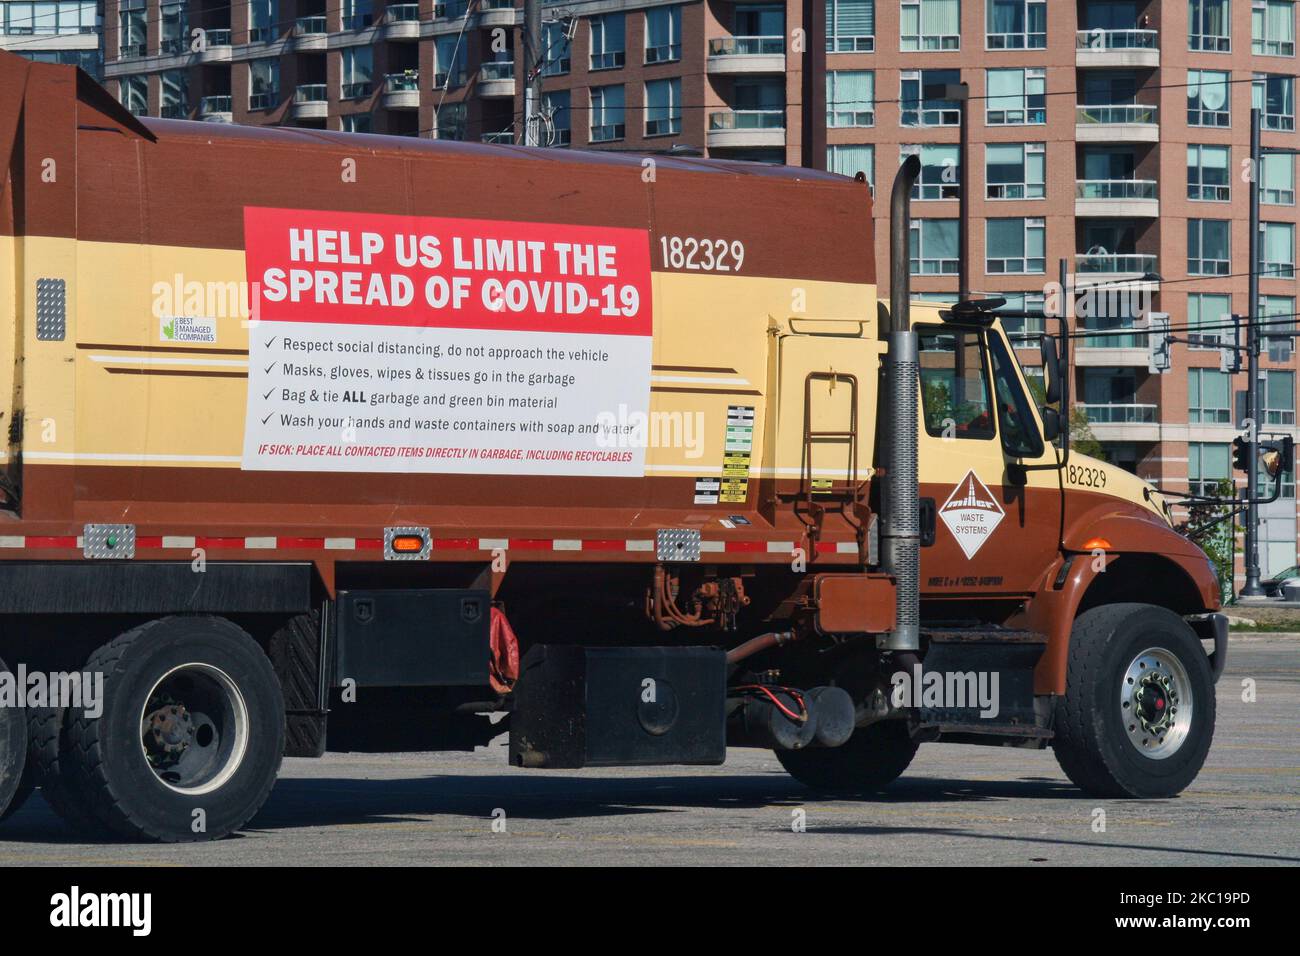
x=1121, y=48
x=402, y=22
x=496, y=13
x=356, y=90
x=216, y=47
x=131, y=51
x=496, y=80
x=1109, y=266
x=746, y=128
x=310, y=102
x=310, y=34
x=731, y=55
x=216, y=109
x=402, y=91
x=505, y=137
x=1121, y=123
x=1116, y=198
x=1123, y=421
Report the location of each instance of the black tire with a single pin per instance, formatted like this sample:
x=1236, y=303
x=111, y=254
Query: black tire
x=26, y=784
x=204, y=674
x=46, y=746
x=1096, y=745
x=874, y=757
x=15, y=782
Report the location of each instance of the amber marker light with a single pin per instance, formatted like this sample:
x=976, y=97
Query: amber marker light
x=408, y=544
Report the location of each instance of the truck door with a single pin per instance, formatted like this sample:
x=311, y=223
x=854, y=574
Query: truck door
x=995, y=516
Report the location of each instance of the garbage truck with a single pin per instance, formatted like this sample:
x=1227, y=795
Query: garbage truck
x=336, y=442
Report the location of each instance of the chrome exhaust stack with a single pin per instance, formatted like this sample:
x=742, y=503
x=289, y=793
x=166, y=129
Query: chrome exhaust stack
x=900, y=524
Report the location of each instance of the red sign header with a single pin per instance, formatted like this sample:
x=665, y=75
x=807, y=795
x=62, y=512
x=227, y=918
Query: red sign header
x=373, y=269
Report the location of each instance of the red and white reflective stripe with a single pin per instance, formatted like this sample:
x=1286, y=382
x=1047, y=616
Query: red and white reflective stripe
x=287, y=543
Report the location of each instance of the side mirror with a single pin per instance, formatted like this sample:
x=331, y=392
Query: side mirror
x=1051, y=369
x=1051, y=424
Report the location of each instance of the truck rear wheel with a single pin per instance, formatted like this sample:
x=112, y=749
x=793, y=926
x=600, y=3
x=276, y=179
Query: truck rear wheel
x=46, y=746
x=1137, y=717
x=874, y=757
x=191, y=734
x=15, y=782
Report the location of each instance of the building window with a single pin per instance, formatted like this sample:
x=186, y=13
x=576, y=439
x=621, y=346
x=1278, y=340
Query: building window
x=607, y=113
x=1274, y=96
x=1279, y=398
x=357, y=123
x=663, y=107
x=1209, y=400
x=663, y=34
x=1277, y=250
x=133, y=92
x=933, y=247
x=930, y=25
x=940, y=175
x=1272, y=28
x=1208, y=464
x=1016, y=25
x=850, y=26
x=1023, y=331
x=1211, y=309
x=1207, y=98
x=22, y=18
x=1207, y=173
x=449, y=66
x=175, y=100
x=556, y=118
x=1277, y=314
x=1207, y=247
x=1277, y=180
x=263, y=84
x=358, y=14
x=1015, y=246
x=608, y=41
x=263, y=19
x=921, y=105
x=1016, y=97
x=1015, y=170
x=1208, y=26
x=851, y=159
x=850, y=98
x=450, y=121
x=173, y=32
x=358, y=71
x=132, y=33
x=555, y=50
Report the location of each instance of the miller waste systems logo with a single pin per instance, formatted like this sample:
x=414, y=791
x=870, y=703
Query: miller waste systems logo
x=971, y=514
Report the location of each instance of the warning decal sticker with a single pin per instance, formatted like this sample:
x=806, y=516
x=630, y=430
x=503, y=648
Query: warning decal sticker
x=971, y=514
x=425, y=344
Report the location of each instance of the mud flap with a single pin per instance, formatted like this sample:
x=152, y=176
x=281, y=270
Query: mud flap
x=984, y=682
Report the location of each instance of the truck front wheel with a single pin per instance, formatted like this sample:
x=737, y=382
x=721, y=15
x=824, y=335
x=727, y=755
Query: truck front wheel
x=874, y=757
x=1137, y=717
x=190, y=736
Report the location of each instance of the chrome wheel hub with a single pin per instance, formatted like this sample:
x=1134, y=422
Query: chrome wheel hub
x=1156, y=704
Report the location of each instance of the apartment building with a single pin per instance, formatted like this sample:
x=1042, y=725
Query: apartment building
x=1112, y=134
x=57, y=31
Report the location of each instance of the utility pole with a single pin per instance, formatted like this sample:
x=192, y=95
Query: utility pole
x=1252, y=587
x=963, y=197
x=532, y=72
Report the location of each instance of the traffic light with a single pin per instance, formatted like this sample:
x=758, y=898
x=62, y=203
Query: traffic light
x=1241, y=454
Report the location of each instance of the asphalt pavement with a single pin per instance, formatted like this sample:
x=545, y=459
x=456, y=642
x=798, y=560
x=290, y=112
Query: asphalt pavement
x=956, y=805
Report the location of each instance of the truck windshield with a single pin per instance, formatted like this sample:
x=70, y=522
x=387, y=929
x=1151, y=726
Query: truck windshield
x=1020, y=435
